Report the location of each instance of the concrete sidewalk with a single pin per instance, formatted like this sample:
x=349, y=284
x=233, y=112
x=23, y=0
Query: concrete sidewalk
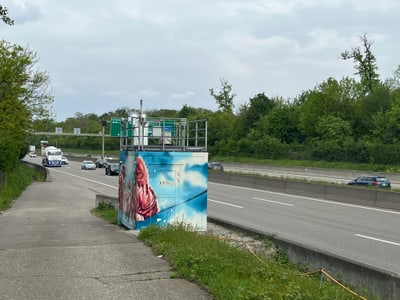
x=51, y=247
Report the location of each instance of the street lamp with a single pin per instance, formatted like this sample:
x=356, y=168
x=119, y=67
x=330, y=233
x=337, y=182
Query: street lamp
x=103, y=124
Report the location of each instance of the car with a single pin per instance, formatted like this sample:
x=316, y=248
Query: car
x=217, y=166
x=88, y=165
x=371, y=180
x=101, y=163
x=64, y=160
x=112, y=169
x=32, y=154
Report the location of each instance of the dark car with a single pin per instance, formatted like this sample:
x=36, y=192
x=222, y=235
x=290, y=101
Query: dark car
x=101, y=163
x=112, y=169
x=217, y=166
x=371, y=180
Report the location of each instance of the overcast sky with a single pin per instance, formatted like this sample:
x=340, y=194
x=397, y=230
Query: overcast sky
x=104, y=55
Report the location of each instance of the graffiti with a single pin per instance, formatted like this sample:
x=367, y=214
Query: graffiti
x=163, y=188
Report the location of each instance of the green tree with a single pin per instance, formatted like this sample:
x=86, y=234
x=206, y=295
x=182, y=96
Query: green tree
x=334, y=129
x=4, y=15
x=186, y=111
x=20, y=79
x=379, y=100
x=249, y=113
x=387, y=124
x=221, y=132
x=365, y=63
x=282, y=123
x=224, y=97
x=23, y=98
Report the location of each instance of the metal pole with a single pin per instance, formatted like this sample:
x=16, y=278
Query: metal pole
x=141, y=129
x=102, y=143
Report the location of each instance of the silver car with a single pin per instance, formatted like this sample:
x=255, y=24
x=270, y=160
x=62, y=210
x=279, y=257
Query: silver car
x=88, y=165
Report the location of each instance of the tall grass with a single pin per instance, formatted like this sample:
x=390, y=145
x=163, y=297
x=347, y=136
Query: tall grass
x=16, y=182
x=227, y=272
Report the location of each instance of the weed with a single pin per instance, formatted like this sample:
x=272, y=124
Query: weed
x=107, y=212
x=228, y=272
x=17, y=181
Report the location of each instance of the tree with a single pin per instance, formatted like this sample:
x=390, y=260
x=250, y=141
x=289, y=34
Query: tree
x=23, y=98
x=250, y=113
x=20, y=79
x=281, y=123
x=365, y=64
x=4, y=15
x=225, y=97
x=333, y=129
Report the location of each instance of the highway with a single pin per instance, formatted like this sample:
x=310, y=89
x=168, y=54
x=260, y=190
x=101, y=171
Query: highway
x=364, y=234
x=334, y=176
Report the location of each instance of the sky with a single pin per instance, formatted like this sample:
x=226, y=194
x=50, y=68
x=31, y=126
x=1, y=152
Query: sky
x=105, y=55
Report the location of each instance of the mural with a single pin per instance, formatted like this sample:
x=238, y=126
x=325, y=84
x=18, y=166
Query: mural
x=163, y=188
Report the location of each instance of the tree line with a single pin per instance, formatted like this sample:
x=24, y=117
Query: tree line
x=352, y=119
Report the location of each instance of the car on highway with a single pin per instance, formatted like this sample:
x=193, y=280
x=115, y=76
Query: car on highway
x=101, y=163
x=88, y=165
x=64, y=160
x=371, y=180
x=217, y=166
x=112, y=169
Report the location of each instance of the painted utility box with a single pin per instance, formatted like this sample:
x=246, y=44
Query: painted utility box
x=164, y=181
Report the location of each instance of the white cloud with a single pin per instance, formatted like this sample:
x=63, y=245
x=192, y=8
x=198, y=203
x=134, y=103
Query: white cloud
x=108, y=55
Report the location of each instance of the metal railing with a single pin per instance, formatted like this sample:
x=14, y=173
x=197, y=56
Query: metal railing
x=163, y=134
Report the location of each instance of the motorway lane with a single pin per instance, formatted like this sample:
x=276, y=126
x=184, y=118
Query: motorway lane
x=335, y=176
x=363, y=234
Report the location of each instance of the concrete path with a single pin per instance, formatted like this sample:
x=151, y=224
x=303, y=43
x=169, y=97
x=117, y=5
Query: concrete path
x=51, y=247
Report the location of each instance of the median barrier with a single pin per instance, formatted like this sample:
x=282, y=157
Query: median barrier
x=385, y=199
x=352, y=195
x=388, y=200
x=304, y=188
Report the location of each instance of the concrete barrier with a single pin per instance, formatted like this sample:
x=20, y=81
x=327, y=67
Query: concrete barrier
x=39, y=168
x=106, y=199
x=377, y=282
x=385, y=199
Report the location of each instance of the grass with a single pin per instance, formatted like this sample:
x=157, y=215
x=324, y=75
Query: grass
x=229, y=272
x=313, y=164
x=16, y=182
x=107, y=212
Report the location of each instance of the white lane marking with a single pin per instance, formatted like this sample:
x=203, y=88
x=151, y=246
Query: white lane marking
x=224, y=203
x=376, y=239
x=312, y=199
x=83, y=178
x=271, y=201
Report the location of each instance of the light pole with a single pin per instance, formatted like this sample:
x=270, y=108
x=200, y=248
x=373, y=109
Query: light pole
x=103, y=124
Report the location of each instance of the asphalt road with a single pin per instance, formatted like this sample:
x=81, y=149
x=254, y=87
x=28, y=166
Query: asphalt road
x=364, y=234
x=308, y=174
